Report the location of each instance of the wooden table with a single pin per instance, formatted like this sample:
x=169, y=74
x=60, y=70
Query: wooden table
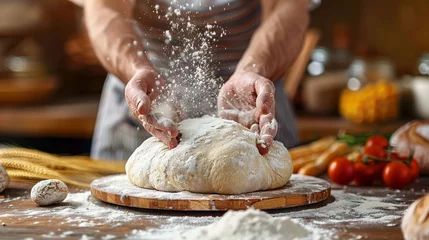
x=15, y=208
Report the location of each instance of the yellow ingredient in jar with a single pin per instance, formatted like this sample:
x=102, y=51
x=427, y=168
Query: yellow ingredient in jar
x=374, y=103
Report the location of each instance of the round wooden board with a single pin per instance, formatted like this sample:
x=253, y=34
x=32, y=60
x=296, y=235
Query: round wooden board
x=301, y=190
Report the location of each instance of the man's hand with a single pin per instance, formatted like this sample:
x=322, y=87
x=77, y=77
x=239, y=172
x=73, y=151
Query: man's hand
x=140, y=93
x=248, y=98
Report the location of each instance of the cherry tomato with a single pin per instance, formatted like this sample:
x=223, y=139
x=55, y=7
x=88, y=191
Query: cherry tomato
x=341, y=171
x=365, y=175
x=415, y=170
x=377, y=140
x=378, y=170
x=395, y=156
x=375, y=151
x=396, y=175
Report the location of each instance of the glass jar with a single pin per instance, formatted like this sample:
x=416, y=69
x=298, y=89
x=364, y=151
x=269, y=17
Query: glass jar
x=371, y=96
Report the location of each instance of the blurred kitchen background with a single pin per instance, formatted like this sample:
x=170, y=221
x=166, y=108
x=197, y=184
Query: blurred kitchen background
x=364, y=67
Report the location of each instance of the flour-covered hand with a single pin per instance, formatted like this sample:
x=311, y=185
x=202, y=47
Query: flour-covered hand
x=248, y=98
x=140, y=93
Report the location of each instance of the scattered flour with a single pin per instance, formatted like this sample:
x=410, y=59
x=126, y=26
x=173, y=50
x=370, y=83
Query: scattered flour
x=190, y=68
x=349, y=207
x=108, y=237
x=80, y=210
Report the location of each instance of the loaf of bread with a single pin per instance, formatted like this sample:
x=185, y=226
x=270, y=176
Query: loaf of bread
x=413, y=136
x=415, y=223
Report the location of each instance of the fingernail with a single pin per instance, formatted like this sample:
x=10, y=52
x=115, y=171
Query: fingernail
x=139, y=103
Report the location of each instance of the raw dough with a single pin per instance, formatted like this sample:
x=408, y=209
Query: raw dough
x=250, y=225
x=214, y=156
x=415, y=223
x=413, y=136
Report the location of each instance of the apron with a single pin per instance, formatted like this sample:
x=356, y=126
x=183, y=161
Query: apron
x=117, y=134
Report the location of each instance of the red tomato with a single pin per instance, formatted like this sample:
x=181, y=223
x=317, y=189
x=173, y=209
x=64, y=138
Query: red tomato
x=395, y=156
x=375, y=151
x=378, y=170
x=415, y=170
x=377, y=140
x=365, y=174
x=396, y=175
x=341, y=171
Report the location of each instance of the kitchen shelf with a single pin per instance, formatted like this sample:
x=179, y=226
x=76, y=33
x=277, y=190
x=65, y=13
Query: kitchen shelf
x=66, y=118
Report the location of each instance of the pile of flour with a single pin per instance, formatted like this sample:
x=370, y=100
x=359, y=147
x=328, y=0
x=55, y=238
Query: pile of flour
x=249, y=225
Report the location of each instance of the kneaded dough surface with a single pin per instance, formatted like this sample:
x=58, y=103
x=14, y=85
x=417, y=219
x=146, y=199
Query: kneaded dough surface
x=214, y=156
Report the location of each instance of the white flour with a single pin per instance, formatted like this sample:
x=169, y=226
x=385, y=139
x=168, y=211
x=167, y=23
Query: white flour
x=191, y=71
x=246, y=225
x=120, y=185
x=250, y=225
x=80, y=210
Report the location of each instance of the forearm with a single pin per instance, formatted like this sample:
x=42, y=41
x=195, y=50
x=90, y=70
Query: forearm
x=278, y=40
x=113, y=37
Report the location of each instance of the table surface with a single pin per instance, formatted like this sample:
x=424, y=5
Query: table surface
x=350, y=213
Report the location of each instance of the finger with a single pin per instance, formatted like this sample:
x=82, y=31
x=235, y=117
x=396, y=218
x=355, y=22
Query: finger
x=229, y=114
x=161, y=123
x=137, y=99
x=254, y=128
x=262, y=148
x=160, y=87
x=171, y=142
x=226, y=97
x=268, y=126
x=245, y=118
x=265, y=101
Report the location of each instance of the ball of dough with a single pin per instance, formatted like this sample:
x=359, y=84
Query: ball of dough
x=4, y=179
x=415, y=223
x=214, y=156
x=413, y=136
x=47, y=192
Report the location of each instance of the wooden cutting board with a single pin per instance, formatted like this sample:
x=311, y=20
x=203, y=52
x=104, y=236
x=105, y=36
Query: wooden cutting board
x=301, y=190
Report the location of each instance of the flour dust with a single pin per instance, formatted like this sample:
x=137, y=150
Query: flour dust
x=192, y=84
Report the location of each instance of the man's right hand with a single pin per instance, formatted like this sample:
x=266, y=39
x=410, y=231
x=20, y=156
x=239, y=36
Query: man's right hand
x=143, y=88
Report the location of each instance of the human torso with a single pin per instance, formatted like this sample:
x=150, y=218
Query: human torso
x=237, y=18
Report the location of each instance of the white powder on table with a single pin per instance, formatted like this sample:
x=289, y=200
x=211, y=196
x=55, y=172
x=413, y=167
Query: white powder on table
x=246, y=225
x=365, y=210
x=249, y=225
